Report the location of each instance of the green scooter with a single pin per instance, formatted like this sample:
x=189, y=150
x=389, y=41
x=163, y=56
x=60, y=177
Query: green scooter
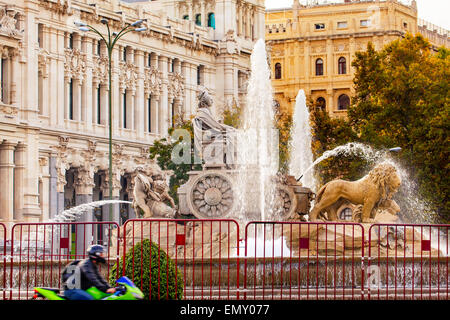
x=125, y=290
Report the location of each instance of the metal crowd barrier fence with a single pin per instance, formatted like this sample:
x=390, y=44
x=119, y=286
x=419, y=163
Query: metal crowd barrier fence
x=407, y=261
x=3, y=260
x=303, y=260
x=206, y=253
x=40, y=251
x=274, y=260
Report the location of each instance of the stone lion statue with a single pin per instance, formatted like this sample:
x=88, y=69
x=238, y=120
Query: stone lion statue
x=149, y=194
x=373, y=190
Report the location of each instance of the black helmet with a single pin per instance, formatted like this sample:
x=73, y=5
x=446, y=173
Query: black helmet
x=95, y=251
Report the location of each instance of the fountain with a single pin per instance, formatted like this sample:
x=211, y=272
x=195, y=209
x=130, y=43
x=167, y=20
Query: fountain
x=239, y=178
x=239, y=181
x=301, y=157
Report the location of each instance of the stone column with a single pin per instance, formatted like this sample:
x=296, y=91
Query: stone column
x=330, y=63
x=84, y=184
x=31, y=210
x=330, y=101
x=15, y=76
x=155, y=113
x=190, y=10
x=53, y=193
x=19, y=177
x=140, y=101
x=130, y=109
x=307, y=59
x=77, y=89
x=59, y=80
x=7, y=181
x=60, y=168
x=44, y=189
x=239, y=19
x=115, y=196
x=202, y=12
x=248, y=25
x=88, y=102
x=352, y=50
x=163, y=105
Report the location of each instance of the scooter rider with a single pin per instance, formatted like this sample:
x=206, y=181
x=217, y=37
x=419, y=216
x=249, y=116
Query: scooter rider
x=86, y=275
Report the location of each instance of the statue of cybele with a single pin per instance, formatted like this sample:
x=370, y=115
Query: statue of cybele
x=214, y=141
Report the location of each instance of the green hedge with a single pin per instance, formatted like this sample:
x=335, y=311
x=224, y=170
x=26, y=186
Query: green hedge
x=164, y=272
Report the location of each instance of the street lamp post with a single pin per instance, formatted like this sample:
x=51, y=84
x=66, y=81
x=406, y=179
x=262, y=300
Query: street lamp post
x=110, y=41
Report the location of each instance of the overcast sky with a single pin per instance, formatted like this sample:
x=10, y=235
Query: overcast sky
x=434, y=11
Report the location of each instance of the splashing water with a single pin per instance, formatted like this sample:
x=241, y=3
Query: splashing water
x=351, y=148
x=413, y=206
x=74, y=213
x=257, y=150
x=301, y=157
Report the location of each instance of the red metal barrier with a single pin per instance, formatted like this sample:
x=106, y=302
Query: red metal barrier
x=282, y=260
x=408, y=261
x=206, y=253
x=303, y=260
x=40, y=251
x=3, y=260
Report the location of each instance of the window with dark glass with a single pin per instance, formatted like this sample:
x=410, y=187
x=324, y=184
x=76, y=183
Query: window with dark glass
x=99, y=47
x=321, y=103
x=99, y=107
x=199, y=75
x=4, y=78
x=124, y=110
x=343, y=102
x=278, y=70
x=71, y=99
x=40, y=35
x=71, y=41
x=319, y=26
x=149, y=114
x=319, y=67
x=172, y=114
x=198, y=19
x=346, y=214
x=211, y=20
x=342, y=65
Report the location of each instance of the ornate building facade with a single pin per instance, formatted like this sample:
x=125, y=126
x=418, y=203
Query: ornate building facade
x=312, y=46
x=54, y=92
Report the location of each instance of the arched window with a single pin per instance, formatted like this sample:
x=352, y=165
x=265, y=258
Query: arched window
x=278, y=70
x=186, y=17
x=319, y=67
x=342, y=65
x=198, y=19
x=346, y=214
x=211, y=20
x=321, y=103
x=343, y=102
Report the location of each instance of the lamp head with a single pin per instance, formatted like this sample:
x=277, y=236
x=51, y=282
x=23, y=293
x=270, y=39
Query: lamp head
x=104, y=21
x=136, y=23
x=396, y=149
x=79, y=24
x=140, y=29
x=84, y=29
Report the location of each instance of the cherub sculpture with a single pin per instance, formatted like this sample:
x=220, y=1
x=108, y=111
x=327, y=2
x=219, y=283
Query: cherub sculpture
x=149, y=195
